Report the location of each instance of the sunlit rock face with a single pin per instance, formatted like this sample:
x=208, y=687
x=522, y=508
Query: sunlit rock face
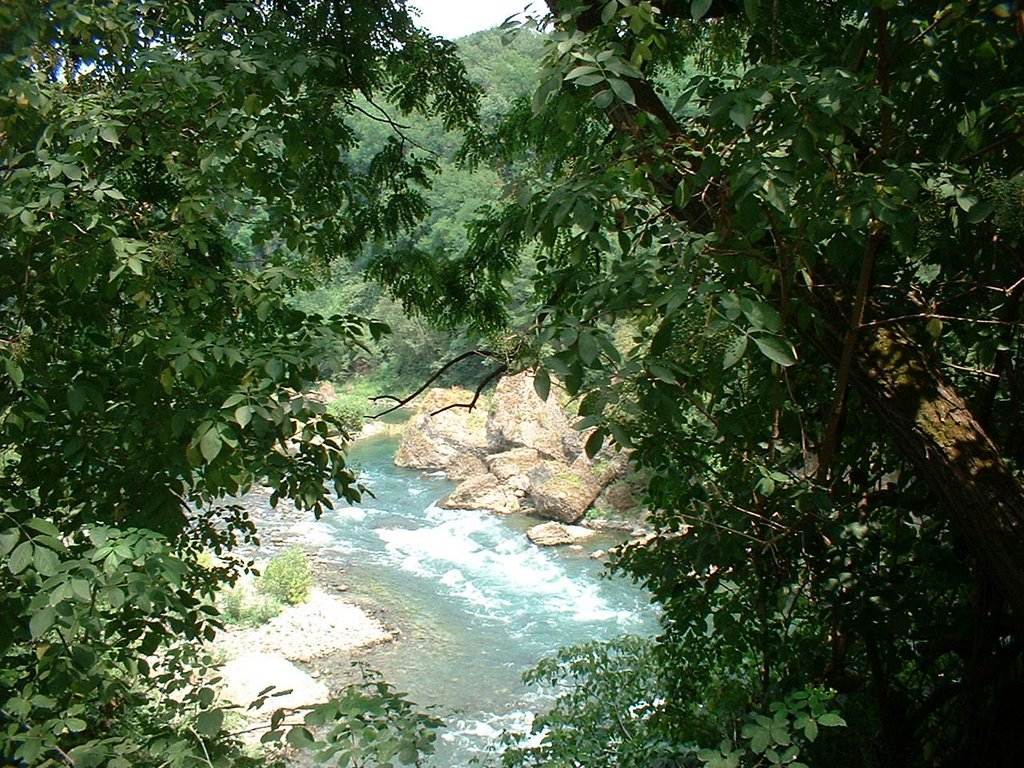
x=518, y=418
x=522, y=456
x=556, y=534
x=434, y=441
x=483, y=491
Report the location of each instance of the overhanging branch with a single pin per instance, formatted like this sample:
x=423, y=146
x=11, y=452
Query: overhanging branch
x=404, y=401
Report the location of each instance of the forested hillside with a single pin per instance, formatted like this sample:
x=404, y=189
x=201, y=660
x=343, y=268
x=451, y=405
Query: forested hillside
x=504, y=68
x=769, y=251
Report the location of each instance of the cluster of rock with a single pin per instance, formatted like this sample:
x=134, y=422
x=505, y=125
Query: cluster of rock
x=522, y=456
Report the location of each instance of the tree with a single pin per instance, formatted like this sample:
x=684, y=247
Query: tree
x=152, y=370
x=819, y=268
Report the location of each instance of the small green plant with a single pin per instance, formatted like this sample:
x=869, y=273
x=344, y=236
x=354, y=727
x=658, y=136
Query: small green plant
x=778, y=739
x=242, y=606
x=287, y=577
x=349, y=411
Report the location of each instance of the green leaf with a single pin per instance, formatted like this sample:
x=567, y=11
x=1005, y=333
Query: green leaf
x=734, y=351
x=210, y=721
x=580, y=71
x=21, y=557
x=622, y=90
x=44, y=527
x=299, y=737
x=243, y=415
x=760, y=739
x=699, y=8
x=252, y=104
x=776, y=349
x=81, y=589
x=594, y=443
x=588, y=348
x=979, y=212
x=546, y=88
x=210, y=444
x=662, y=373
x=542, y=384
x=75, y=724
x=7, y=540
x=41, y=622
x=742, y=114
x=831, y=719
x=14, y=371
x=85, y=657
x=45, y=561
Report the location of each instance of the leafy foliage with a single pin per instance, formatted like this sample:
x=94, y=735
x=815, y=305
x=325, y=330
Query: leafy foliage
x=93, y=615
x=368, y=724
x=427, y=276
x=287, y=577
x=242, y=606
x=808, y=260
x=173, y=172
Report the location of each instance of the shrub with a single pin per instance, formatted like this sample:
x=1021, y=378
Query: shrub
x=287, y=577
x=349, y=411
x=241, y=606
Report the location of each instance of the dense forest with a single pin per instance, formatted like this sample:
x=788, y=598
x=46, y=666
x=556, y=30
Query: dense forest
x=772, y=252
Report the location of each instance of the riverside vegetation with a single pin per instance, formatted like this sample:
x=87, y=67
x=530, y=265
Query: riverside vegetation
x=769, y=251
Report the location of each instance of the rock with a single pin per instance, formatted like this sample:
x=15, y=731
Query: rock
x=619, y=497
x=243, y=679
x=324, y=393
x=559, y=493
x=519, y=418
x=513, y=468
x=464, y=466
x=432, y=441
x=483, y=492
x=557, y=534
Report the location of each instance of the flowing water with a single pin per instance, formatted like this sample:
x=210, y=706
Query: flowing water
x=476, y=602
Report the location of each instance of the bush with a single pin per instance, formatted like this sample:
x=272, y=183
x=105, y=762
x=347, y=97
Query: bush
x=287, y=577
x=349, y=413
x=241, y=606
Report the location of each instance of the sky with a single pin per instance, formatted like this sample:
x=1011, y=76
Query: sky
x=456, y=18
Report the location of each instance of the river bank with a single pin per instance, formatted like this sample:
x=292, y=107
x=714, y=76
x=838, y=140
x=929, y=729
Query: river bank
x=458, y=602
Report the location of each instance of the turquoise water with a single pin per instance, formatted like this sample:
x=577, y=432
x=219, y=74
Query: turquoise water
x=476, y=602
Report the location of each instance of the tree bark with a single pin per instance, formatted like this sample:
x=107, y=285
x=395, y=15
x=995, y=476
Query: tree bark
x=931, y=423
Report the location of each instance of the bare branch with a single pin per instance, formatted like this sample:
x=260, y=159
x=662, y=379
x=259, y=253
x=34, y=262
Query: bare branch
x=476, y=395
x=401, y=402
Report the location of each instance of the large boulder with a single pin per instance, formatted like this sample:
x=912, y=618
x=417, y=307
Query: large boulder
x=558, y=492
x=435, y=440
x=513, y=468
x=483, y=492
x=464, y=466
x=556, y=534
x=519, y=418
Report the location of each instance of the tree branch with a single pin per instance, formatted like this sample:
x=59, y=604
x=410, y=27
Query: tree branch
x=401, y=402
x=830, y=439
x=476, y=395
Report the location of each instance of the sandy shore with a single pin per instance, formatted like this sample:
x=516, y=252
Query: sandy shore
x=323, y=626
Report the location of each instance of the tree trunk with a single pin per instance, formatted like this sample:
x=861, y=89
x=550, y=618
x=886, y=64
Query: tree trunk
x=932, y=425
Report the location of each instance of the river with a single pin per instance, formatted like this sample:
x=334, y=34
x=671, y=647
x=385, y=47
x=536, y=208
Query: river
x=476, y=602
